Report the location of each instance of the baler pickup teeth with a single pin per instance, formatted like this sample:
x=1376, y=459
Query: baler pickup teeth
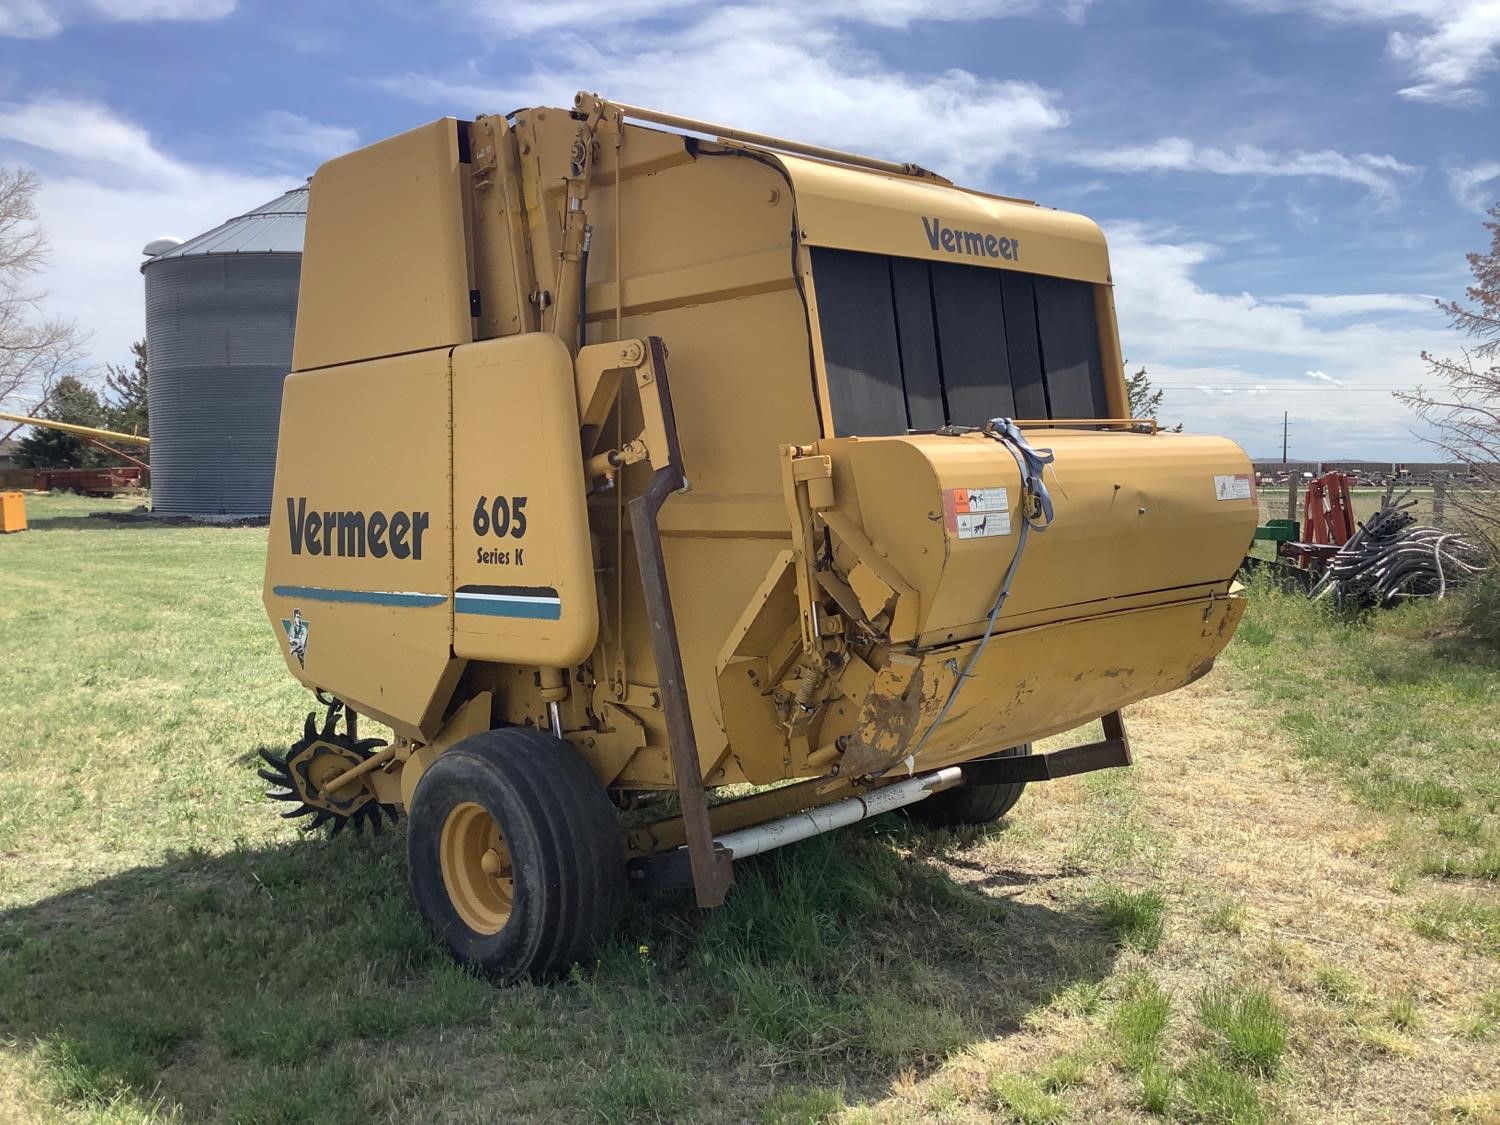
x=293, y=777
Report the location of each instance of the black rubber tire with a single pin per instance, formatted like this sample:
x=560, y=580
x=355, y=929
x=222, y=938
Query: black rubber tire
x=971, y=804
x=566, y=849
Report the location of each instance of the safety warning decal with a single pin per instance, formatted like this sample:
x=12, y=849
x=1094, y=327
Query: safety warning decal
x=976, y=513
x=1239, y=487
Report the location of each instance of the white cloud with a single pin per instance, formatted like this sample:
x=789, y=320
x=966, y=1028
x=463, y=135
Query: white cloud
x=43, y=19
x=1468, y=185
x=291, y=132
x=1380, y=174
x=509, y=17
x=1357, y=304
x=1446, y=45
x=63, y=126
x=1324, y=377
x=777, y=69
x=107, y=189
x=1269, y=355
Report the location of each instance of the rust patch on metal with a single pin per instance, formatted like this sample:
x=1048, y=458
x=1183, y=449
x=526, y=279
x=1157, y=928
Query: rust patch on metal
x=888, y=719
x=1200, y=671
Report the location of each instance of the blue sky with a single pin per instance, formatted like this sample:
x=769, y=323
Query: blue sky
x=1286, y=185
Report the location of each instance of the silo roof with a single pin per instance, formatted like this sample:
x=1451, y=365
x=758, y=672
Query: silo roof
x=275, y=227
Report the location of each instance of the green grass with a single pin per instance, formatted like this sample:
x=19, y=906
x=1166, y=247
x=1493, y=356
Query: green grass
x=1402, y=1014
x=1224, y=916
x=1210, y=1092
x=173, y=944
x=802, y=1106
x=1401, y=706
x=1022, y=1100
x=1249, y=1027
x=1338, y=984
x=1470, y=922
x=1138, y=918
x=170, y=949
x=1137, y=1023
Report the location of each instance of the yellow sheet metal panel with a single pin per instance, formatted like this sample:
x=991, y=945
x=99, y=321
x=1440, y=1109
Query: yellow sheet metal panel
x=523, y=566
x=359, y=564
x=1034, y=683
x=856, y=209
x=385, y=266
x=1135, y=514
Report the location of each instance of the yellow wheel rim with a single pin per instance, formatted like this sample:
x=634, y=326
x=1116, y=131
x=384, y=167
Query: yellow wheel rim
x=476, y=868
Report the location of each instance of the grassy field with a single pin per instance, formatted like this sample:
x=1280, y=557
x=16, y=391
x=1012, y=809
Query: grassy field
x=1286, y=910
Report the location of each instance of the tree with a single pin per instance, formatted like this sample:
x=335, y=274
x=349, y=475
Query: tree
x=35, y=350
x=128, y=411
x=1145, y=400
x=71, y=401
x=1464, y=411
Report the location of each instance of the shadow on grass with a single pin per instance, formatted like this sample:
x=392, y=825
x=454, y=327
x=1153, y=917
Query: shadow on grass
x=298, y=983
x=74, y=523
x=130, y=521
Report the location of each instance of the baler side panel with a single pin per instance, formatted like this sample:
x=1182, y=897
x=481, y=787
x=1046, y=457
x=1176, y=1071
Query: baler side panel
x=359, y=567
x=385, y=264
x=523, y=565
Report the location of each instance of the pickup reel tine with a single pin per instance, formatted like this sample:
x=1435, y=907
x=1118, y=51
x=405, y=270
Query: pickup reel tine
x=321, y=754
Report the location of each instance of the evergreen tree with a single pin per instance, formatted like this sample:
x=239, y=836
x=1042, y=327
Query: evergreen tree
x=127, y=411
x=71, y=401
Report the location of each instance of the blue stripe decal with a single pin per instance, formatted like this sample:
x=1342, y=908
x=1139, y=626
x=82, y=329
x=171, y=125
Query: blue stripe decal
x=500, y=605
x=400, y=598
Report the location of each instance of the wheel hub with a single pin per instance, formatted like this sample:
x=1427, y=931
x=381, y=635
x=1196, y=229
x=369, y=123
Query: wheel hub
x=476, y=868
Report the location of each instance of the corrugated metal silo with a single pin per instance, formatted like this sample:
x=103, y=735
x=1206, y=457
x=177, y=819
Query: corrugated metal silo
x=220, y=310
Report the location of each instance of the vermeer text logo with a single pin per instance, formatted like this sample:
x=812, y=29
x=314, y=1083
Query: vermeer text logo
x=972, y=242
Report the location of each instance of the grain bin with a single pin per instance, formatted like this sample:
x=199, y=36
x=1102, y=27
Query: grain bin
x=220, y=309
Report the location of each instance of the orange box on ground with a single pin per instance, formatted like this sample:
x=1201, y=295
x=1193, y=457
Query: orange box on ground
x=12, y=511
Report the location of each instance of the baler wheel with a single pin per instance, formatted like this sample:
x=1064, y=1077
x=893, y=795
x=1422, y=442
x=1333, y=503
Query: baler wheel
x=515, y=854
x=971, y=804
x=320, y=756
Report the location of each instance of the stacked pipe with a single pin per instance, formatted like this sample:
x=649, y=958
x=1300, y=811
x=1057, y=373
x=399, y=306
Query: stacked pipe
x=1389, y=558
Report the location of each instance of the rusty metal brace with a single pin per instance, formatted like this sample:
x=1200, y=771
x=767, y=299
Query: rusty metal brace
x=712, y=873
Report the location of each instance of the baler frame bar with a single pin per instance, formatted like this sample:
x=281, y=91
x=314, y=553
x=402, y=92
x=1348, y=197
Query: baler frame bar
x=1110, y=752
x=586, y=101
x=711, y=872
x=834, y=803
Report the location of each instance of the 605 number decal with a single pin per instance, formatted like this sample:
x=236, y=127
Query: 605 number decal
x=502, y=515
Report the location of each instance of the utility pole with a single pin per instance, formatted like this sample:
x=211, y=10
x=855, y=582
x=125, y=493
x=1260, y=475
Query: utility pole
x=1291, y=481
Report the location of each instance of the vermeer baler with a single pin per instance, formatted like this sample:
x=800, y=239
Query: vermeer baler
x=622, y=462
